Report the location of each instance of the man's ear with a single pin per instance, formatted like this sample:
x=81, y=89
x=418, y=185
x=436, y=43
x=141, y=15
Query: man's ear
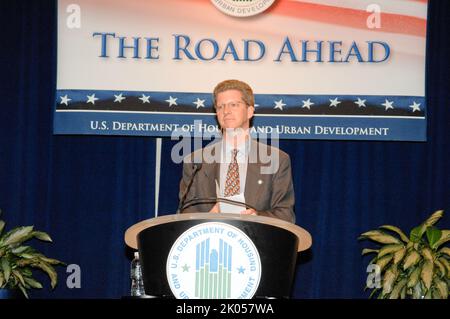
x=250, y=112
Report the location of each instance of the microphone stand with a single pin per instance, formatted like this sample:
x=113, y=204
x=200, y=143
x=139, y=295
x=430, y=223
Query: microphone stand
x=197, y=167
x=211, y=200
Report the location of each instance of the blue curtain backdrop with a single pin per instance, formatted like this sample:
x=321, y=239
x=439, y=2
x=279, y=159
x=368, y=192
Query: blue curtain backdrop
x=85, y=191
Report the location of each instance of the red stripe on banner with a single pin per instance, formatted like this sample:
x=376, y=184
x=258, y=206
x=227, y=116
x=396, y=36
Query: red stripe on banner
x=392, y=23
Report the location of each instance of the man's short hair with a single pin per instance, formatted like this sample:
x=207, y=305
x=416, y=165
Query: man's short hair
x=244, y=88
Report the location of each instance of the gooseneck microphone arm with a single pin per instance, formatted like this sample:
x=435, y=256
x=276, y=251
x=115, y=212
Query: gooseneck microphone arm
x=197, y=167
x=213, y=200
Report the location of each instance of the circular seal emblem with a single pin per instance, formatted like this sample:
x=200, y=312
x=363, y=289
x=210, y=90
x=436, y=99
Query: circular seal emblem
x=242, y=8
x=213, y=260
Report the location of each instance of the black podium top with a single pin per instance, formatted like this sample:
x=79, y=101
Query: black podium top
x=304, y=238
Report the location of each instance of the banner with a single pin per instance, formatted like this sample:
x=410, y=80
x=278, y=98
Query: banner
x=320, y=69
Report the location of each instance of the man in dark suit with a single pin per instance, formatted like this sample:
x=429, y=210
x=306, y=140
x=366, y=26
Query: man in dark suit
x=238, y=164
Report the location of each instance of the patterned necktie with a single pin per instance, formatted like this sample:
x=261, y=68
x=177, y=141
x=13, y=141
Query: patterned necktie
x=232, y=183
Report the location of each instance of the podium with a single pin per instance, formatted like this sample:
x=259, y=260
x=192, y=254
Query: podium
x=216, y=253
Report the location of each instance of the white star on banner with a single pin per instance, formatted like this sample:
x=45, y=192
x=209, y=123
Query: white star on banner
x=145, y=98
x=307, y=104
x=119, y=98
x=279, y=104
x=334, y=102
x=388, y=105
x=199, y=103
x=91, y=99
x=361, y=103
x=172, y=101
x=415, y=106
x=65, y=100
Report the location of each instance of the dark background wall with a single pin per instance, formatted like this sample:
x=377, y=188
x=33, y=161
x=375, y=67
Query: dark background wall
x=85, y=191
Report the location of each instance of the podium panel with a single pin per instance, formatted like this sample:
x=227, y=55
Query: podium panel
x=277, y=243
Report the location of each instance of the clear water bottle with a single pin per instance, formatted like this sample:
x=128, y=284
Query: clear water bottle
x=137, y=282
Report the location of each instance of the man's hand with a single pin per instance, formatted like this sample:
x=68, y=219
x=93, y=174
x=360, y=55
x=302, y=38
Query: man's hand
x=249, y=211
x=215, y=209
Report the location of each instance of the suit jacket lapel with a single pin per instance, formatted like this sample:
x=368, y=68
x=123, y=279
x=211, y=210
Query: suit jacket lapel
x=211, y=171
x=252, y=182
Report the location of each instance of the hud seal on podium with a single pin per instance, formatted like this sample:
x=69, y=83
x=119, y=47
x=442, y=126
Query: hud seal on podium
x=213, y=260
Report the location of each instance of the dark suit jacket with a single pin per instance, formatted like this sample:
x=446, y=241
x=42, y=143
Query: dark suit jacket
x=271, y=194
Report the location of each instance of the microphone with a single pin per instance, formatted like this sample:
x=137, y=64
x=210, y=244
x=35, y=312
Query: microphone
x=196, y=168
x=213, y=200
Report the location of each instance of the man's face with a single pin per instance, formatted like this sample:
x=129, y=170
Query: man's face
x=232, y=112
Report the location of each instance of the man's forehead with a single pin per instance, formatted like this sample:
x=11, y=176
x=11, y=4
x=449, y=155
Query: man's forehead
x=229, y=92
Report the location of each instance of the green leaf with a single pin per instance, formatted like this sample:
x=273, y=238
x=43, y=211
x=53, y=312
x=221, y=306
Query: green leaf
x=446, y=264
x=29, y=255
x=403, y=293
x=416, y=234
x=433, y=235
x=433, y=218
x=380, y=237
x=2, y=280
x=42, y=236
x=441, y=268
x=23, y=291
x=427, y=273
x=2, y=226
x=373, y=292
x=427, y=254
x=411, y=259
x=383, y=261
x=445, y=250
x=396, y=230
x=435, y=294
x=6, y=268
x=33, y=283
x=18, y=275
x=397, y=289
x=368, y=251
x=381, y=295
x=418, y=291
x=17, y=235
x=398, y=255
x=389, y=278
x=20, y=249
x=51, y=261
x=428, y=294
x=414, y=277
x=445, y=237
x=441, y=287
x=50, y=272
x=388, y=249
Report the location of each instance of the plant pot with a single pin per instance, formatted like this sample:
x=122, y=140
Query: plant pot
x=11, y=294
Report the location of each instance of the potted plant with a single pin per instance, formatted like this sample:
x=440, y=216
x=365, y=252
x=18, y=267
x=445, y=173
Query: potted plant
x=415, y=267
x=17, y=260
